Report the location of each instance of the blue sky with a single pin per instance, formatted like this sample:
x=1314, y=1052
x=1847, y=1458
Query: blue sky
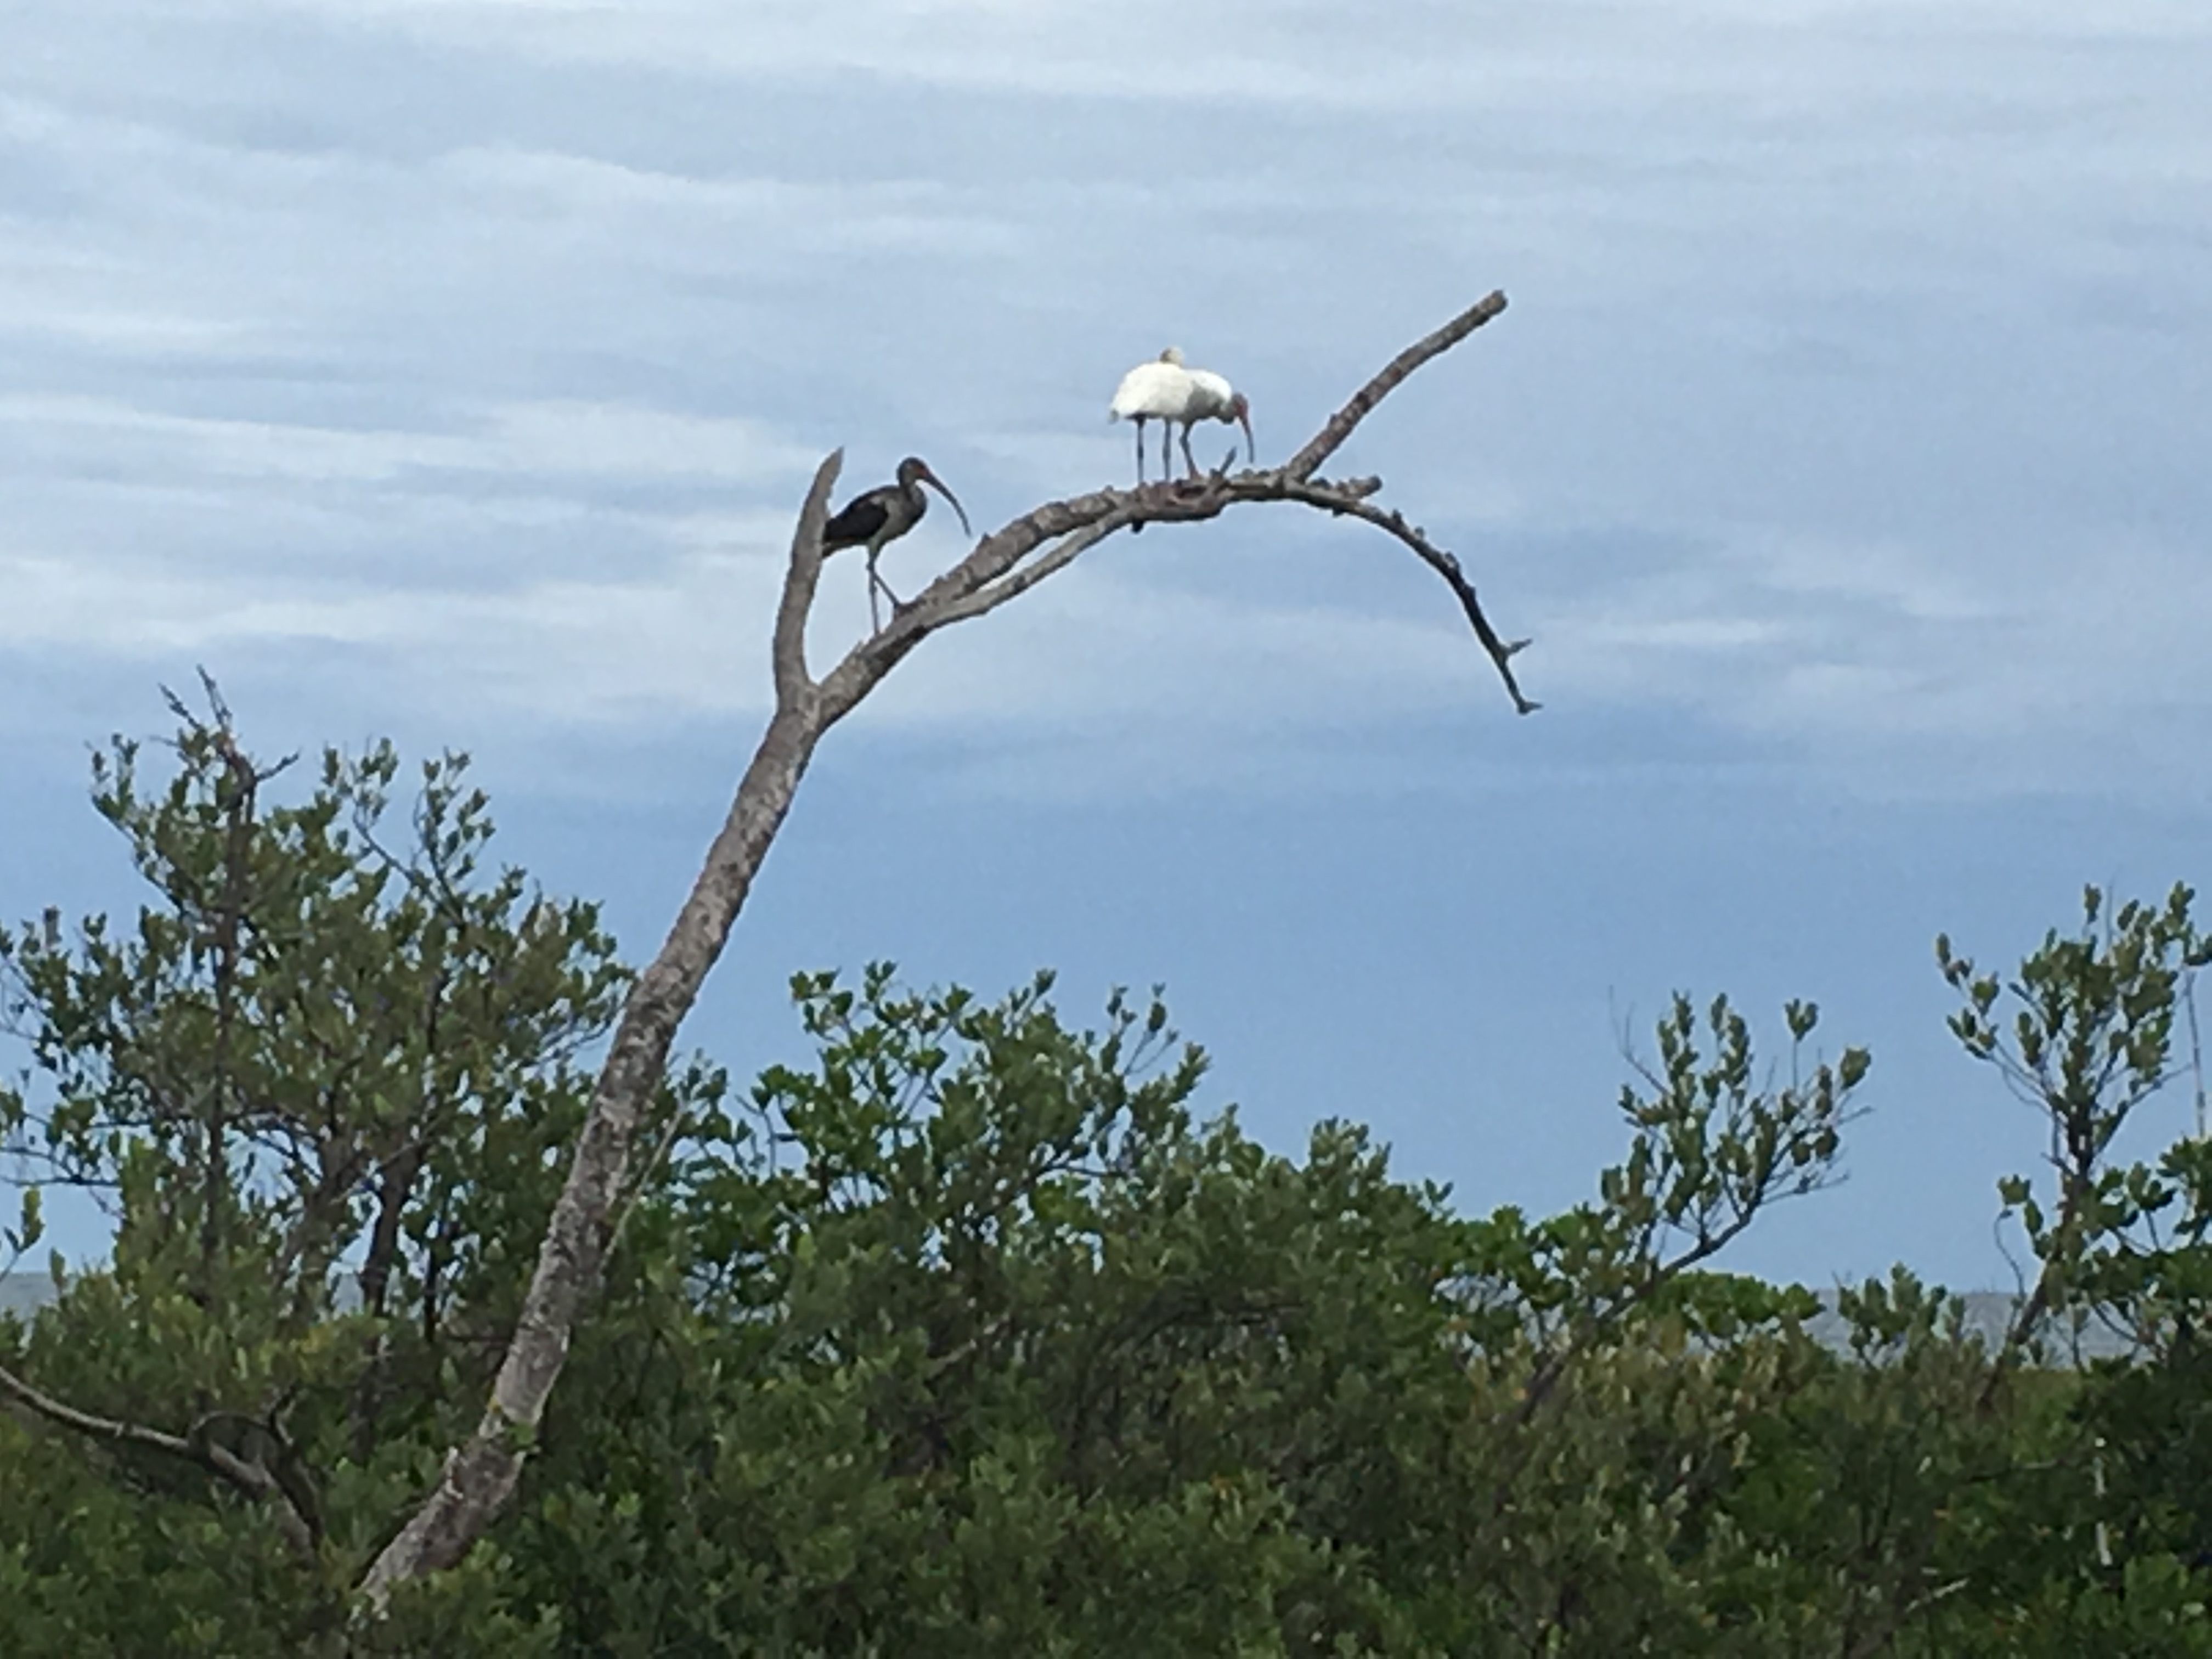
x=451, y=370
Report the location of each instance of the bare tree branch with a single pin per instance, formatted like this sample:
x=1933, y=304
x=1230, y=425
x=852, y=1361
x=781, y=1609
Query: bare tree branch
x=99, y=1428
x=1502, y=650
x=788, y=650
x=1015, y=583
x=944, y=602
x=480, y=1474
x=248, y=1475
x=1330, y=438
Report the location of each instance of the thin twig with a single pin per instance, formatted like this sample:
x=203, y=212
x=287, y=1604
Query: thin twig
x=1331, y=437
x=1502, y=650
x=2196, y=1048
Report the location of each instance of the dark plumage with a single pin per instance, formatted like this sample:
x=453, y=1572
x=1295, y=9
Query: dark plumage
x=879, y=516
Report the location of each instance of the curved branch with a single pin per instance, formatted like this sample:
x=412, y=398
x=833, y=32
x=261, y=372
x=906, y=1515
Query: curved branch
x=84, y=1423
x=296, y=1513
x=1502, y=650
x=788, y=650
x=958, y=596
x=1059, y=532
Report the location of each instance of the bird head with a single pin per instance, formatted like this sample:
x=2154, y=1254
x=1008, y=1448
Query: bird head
x=914, y=471
x=1240, y=410
x=1173, y=356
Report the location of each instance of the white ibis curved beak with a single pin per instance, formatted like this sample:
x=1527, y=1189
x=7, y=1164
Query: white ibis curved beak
x=1245, y=420
x=938, y=484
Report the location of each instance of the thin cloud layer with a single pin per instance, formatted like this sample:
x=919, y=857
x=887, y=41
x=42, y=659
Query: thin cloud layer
x=1845, y=414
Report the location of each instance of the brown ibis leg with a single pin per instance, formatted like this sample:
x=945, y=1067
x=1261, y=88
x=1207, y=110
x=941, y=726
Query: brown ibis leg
x=876, y=584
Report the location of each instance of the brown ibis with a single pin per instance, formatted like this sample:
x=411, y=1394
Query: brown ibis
x=878, y=517
x=1212, y=398
x=1158, y=391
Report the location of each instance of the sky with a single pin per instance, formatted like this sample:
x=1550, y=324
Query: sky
x=451, y=369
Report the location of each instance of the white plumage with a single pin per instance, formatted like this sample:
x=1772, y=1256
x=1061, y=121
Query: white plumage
x=1212, y=398
x=1212, y=392
x=1158, y=391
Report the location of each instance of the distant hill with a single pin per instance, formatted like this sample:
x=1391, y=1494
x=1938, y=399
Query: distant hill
x=1988, y=1314
x=21, y=1292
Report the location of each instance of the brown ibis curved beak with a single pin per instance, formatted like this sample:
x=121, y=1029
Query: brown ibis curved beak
x=938, y=484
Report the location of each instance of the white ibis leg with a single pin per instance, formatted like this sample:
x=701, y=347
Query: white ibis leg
x=1187, y=459
x=1140, y=451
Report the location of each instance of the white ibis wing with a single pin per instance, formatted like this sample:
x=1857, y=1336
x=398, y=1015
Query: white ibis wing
x=1157, y=390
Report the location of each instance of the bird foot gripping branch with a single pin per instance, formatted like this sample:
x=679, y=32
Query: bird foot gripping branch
x=878, y=517
x=1163, y=390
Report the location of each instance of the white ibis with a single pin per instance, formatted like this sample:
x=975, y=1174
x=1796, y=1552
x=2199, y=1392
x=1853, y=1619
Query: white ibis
x=1212, y=398
x=882, y=515
x=1158, y=391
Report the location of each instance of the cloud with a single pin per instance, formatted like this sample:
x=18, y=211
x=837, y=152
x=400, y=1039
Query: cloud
x=566, y=437
x=1313, y=56
x=1844, y=413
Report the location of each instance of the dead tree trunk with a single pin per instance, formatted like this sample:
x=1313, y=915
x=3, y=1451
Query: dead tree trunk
x=481, y=1474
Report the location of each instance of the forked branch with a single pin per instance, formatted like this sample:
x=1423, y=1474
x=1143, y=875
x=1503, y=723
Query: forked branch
x=1009, y=562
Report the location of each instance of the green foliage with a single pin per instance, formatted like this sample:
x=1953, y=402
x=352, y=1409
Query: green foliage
x=324, y=1085
x=980, y=1335
x=2092, y=1040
